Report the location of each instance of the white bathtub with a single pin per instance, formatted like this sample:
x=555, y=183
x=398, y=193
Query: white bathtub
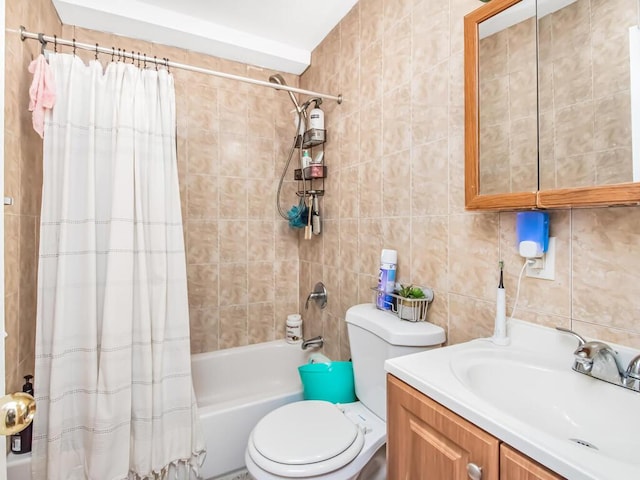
x=235, y=388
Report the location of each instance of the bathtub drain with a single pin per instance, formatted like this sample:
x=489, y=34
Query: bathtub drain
x=584, y=443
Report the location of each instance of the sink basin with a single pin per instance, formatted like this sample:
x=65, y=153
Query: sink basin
x=567, y=405
x=527, y=395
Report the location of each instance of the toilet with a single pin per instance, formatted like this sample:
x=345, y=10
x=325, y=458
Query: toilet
x=320, y=440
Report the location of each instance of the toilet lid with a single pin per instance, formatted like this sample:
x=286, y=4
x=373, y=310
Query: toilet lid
x=304, y=432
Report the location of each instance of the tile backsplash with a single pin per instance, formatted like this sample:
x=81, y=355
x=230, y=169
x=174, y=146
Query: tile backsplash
x=398, y=170
x=395, y=154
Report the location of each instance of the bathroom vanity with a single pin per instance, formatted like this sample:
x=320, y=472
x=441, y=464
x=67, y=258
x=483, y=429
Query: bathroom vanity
x=425, y=436
x=518, y=412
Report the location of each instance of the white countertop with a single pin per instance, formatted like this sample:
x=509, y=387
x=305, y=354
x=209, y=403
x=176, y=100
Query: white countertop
x=502, y=410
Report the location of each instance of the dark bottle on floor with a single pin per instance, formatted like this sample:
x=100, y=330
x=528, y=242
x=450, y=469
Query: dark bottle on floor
x=21, y=441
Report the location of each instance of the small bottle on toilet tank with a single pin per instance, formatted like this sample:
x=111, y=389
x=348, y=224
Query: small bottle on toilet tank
x=294, y=328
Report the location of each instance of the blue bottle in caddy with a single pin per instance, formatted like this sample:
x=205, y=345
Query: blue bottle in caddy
x=386, y=278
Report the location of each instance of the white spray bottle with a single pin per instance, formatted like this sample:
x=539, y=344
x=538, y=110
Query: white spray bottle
x=500, y=329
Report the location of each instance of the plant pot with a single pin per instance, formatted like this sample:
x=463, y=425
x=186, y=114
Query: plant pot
x=409, y=310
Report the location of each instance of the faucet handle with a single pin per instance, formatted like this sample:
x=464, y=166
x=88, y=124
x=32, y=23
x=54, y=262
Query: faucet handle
x=581, y=340
x=633, y=370
x=319, y=295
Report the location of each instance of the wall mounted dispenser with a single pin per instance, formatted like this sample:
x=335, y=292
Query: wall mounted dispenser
x=532, y=230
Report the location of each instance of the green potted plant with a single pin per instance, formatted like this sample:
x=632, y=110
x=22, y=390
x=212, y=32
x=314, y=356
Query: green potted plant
x=408, y=306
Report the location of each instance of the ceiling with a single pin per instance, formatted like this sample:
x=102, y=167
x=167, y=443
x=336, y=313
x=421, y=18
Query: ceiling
x=276, y=34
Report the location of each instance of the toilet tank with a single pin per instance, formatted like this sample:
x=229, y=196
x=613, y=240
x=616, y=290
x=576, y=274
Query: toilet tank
x=377, y=335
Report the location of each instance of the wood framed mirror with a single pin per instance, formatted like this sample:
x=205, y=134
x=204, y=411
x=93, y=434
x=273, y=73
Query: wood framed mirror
x=498, y=106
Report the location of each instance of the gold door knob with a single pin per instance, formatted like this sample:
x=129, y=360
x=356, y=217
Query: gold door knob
x=16, y=412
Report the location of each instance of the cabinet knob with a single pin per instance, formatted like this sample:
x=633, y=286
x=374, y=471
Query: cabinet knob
x=474, y=471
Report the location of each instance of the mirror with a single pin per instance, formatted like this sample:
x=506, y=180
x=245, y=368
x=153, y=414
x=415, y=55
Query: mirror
x=584, y=92
x=508, y=116
x=581, y=52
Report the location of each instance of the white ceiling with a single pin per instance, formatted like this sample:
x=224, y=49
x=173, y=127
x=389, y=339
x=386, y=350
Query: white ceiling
x=276, y=34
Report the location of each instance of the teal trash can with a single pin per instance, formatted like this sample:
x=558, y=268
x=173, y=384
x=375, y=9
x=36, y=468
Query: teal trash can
x=332, y=382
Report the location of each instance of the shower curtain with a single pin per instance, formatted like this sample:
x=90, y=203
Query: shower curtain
x=113, y=377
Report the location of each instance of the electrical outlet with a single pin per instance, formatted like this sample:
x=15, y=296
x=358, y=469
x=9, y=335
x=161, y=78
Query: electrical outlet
x=545, y=267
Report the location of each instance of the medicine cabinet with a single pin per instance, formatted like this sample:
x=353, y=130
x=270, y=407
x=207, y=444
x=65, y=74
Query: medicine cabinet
x=548, y=117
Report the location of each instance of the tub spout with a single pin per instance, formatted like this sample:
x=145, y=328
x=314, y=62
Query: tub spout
x=315, y=342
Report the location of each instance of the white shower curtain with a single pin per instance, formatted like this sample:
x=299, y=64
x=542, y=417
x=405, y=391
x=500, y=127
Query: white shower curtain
x=113, y=377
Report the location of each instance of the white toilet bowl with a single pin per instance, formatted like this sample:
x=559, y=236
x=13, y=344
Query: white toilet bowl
x=316, y=439
x=322, y=441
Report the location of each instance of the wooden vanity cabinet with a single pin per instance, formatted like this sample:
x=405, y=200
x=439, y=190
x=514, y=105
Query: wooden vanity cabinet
x=427, y=441
x=517, y=466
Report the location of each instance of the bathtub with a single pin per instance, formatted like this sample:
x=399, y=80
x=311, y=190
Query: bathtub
x=235, y=388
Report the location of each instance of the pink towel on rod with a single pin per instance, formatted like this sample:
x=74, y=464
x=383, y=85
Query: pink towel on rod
x=42, y=93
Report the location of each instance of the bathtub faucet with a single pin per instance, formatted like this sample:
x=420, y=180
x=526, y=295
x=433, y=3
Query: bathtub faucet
x=315, y=342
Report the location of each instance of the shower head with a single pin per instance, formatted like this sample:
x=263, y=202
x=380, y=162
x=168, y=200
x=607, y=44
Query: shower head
x=277, y=78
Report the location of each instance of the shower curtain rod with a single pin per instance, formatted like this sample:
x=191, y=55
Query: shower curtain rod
x=44, y=39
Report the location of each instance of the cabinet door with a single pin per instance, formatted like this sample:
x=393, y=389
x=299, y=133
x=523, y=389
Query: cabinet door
x=426, y=441
x=517, y=466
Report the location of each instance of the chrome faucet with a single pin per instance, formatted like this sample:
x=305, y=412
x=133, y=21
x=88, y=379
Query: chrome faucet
x=598, y=360
x=315, y=342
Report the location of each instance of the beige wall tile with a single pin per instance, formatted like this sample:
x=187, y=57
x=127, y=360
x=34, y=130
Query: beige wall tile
x=472, y=262
x=203, y=324
x=605, y=267
x=261, y=322
x=202, y=242
x=233, y=284
x=396, y=183
x=233, y=326
x=461, y=310
x=396, y=155
x=429, y=179
x=203, y=285
x=261, y=282
x=430, y=252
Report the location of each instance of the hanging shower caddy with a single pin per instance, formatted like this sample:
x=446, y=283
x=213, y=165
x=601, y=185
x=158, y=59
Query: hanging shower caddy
x=311, y=179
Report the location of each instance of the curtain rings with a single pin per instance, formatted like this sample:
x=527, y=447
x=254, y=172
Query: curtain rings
x=119, y=55
x=55, y=43
x=166, y=64
x=113, y=53
x=145, y=61
x=73, y=41
x=155, y=60
x=96, y=52
x=43, y=42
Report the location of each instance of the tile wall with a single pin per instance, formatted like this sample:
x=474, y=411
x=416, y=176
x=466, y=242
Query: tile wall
x=23, y=182
x=233, y=139
x=396, y=163
x=396, y=178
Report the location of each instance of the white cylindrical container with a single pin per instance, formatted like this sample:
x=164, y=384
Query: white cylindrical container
x=386, y=278
x=316, y=118
x=306, y=158
x=294, y=328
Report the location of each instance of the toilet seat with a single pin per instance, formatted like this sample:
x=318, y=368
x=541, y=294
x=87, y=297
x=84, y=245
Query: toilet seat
x=305, y=439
